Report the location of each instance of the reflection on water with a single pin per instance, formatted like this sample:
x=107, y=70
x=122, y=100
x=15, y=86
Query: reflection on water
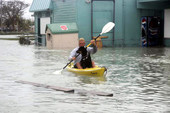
x=138, y=78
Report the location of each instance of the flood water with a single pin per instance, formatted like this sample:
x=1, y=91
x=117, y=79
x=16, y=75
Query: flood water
x=139, y=79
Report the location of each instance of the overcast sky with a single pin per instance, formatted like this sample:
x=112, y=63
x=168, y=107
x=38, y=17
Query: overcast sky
x=27, y=14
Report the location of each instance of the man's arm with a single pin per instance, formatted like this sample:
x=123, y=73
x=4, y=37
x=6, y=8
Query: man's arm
x=73, y=56
x=93, y=49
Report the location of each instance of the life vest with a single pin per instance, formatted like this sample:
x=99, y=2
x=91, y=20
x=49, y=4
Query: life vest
x=86, y=58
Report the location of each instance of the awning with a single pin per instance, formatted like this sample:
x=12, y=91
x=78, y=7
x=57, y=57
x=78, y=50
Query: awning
x=40, y=5
x=62, y=28
x=153, y=4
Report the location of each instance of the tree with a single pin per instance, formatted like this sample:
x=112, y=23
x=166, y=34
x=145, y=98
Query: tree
x=25, y=24
x=12, y=12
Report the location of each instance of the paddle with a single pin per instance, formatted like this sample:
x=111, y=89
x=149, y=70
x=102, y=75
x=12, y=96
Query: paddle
x=105, y=29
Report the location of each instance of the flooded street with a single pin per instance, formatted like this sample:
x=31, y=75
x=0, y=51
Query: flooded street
x=139, y=79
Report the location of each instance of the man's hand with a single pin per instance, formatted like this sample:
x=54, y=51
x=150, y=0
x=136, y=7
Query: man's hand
x=73, y=58
x=93, y=42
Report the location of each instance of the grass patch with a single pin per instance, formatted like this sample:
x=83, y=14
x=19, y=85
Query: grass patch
x=9, y=38
x=16, y=33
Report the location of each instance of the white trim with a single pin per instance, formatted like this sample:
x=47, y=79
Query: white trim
x=167, y=23
x=43, y=22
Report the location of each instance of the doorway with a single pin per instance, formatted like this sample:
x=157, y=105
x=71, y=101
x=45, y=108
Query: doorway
x=151, y=31
x=102, y=12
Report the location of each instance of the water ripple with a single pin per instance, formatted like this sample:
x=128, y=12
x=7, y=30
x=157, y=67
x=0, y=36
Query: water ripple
x=138, y=78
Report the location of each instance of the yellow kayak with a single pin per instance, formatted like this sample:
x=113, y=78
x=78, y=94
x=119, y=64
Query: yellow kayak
x=96, y=71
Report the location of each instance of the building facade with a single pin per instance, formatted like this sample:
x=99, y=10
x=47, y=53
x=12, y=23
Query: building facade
x=90, y=16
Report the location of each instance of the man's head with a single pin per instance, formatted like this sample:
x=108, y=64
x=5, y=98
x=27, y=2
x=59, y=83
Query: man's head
x=81, y=42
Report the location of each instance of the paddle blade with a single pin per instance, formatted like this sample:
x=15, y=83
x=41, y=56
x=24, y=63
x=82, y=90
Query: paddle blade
x=58, y=72
x=107, y=27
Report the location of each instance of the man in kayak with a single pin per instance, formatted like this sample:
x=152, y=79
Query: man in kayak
x=83, y=60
